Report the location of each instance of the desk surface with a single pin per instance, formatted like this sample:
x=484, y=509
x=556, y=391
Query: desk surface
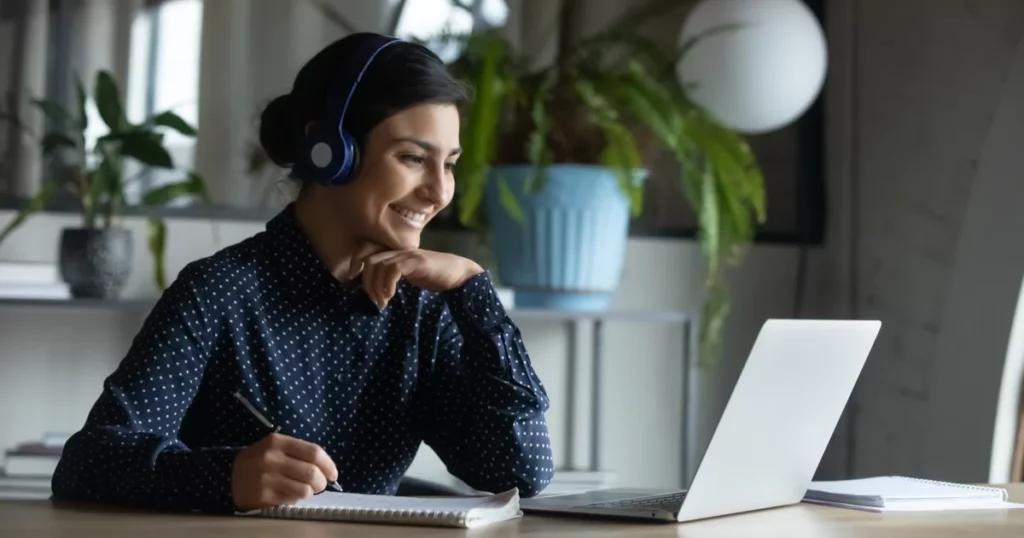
x=45, y=519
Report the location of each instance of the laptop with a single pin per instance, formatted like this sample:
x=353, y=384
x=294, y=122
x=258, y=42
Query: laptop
x=771, y=437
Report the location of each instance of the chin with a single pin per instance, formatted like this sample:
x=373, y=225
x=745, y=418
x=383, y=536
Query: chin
x=400, y=241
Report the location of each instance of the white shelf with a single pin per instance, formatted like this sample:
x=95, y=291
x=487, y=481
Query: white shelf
x=645, y=316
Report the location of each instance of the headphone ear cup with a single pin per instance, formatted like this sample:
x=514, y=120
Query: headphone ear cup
x=323, y=153
x=350, y=162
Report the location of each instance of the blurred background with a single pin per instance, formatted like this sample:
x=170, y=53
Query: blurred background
x=798, y=158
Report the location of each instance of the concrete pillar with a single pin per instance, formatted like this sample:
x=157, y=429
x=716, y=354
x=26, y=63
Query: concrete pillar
x=29, y=81
x=251, y=52
x=226, y=121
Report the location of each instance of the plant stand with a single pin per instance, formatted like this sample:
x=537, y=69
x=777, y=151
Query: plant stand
x=573, y=322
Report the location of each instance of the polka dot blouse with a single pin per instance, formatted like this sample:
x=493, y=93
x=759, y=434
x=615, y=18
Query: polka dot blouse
x=318, y=359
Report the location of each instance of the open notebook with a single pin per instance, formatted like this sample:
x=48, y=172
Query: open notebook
x=467, y=512
x=899, y=493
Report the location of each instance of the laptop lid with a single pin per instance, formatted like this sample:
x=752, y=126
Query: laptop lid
x=781, y=414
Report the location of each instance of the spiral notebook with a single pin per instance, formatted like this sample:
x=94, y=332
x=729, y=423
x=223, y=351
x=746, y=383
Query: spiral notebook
x=905, y=494
x=465, y=512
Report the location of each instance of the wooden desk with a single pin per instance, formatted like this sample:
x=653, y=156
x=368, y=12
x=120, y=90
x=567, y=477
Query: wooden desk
x=43, y=519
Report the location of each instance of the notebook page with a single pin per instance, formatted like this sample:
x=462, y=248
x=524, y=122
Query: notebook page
x=900, y=488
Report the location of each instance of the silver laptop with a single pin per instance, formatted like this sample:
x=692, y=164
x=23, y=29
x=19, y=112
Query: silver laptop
x=772, y=434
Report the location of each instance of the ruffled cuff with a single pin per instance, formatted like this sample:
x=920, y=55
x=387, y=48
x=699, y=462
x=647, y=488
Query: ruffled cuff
x=476, y=306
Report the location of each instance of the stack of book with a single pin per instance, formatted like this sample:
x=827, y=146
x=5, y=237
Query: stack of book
x=31, y=280
x=28, y=468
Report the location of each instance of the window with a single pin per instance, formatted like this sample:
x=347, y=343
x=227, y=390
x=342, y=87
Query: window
x=164, y=75
x=425, y=19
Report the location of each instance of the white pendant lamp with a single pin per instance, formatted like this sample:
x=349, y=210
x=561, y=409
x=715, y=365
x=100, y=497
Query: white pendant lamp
x=759, y=64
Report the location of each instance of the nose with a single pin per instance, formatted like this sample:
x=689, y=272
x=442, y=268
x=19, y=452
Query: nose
x=435, y=187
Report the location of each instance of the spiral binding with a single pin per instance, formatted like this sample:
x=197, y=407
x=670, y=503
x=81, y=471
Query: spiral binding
x=951, y=484
x=365, y=514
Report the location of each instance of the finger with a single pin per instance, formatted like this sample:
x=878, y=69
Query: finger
x=365, y=250
x=311, y=453
x=376, y=272
x=305, y=473
x=414, y=268
x=386, y=278
x=383, y=256
x=367, y=280
x=285, y=490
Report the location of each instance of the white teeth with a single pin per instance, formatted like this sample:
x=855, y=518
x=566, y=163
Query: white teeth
x=409, y=214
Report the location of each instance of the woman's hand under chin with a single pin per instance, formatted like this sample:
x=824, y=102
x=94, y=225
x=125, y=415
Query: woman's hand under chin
x=433, y=271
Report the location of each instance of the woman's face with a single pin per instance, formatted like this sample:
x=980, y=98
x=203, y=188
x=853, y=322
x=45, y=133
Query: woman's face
x=405, y=177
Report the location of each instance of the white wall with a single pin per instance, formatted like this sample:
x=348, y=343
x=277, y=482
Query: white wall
x=974, y=351
x=934, y=135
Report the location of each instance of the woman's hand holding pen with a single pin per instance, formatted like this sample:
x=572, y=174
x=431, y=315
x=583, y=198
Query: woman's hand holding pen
x=433, y=271
x=279, y=470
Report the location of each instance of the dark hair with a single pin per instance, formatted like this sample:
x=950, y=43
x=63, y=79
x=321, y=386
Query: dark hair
x=403, y=75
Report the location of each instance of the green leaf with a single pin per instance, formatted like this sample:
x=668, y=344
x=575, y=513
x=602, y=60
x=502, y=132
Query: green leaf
x=712, y=322
x=83, y=116
x=709, y=222
x=693, y=41
x=146, y=149
x=35, y=205
x=479, y=134
x=538, y=153
x=53, y=141
x=194, y=186
x=174, y=121
x=157, y=242
x=620, y=152
x=106, y=189
x=472, y=195
x=108, y=101
x=509, y=201
x=54, y=112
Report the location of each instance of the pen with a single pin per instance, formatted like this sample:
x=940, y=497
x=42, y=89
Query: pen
x=333, y=484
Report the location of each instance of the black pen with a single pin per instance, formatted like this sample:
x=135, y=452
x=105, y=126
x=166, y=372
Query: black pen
x=276, y=429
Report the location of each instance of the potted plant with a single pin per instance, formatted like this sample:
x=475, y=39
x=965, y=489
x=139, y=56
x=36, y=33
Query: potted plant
x=95, y=258
x=553, y=165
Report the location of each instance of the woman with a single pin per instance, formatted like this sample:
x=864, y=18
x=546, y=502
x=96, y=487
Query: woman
x=331, y=323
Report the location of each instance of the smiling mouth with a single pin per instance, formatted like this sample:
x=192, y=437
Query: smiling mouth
x=414, y=217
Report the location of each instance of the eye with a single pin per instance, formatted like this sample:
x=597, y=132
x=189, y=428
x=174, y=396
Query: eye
x=412, y=159
x=449, y=166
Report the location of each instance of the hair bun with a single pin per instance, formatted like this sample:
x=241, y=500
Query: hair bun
x=278, y=133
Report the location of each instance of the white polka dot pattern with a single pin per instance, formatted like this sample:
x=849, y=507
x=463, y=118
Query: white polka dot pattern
x=266, y=317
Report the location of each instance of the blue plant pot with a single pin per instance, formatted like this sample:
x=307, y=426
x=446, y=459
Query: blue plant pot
x=568, y=251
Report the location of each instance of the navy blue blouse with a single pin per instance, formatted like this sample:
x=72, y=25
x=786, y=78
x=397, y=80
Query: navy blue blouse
x=320, y=360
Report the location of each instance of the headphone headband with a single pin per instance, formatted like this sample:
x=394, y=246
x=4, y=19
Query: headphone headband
x=330, y=154
x=346, y=84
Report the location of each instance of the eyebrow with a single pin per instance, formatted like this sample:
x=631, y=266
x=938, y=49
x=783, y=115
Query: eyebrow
x=427, y=146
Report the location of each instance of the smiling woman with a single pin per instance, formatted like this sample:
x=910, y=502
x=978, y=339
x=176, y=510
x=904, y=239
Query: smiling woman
x=354, y=342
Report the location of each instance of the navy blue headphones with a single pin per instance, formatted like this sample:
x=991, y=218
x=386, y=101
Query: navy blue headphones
x=329, y=154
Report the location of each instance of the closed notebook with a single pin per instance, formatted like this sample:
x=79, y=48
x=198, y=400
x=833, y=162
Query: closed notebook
x=466, y=512
x=898, y=493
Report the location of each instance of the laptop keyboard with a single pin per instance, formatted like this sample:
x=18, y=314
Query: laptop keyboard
x=669, y=502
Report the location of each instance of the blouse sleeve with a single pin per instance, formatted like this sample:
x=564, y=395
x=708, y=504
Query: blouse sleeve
x=485, y=404
x=128, y=451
